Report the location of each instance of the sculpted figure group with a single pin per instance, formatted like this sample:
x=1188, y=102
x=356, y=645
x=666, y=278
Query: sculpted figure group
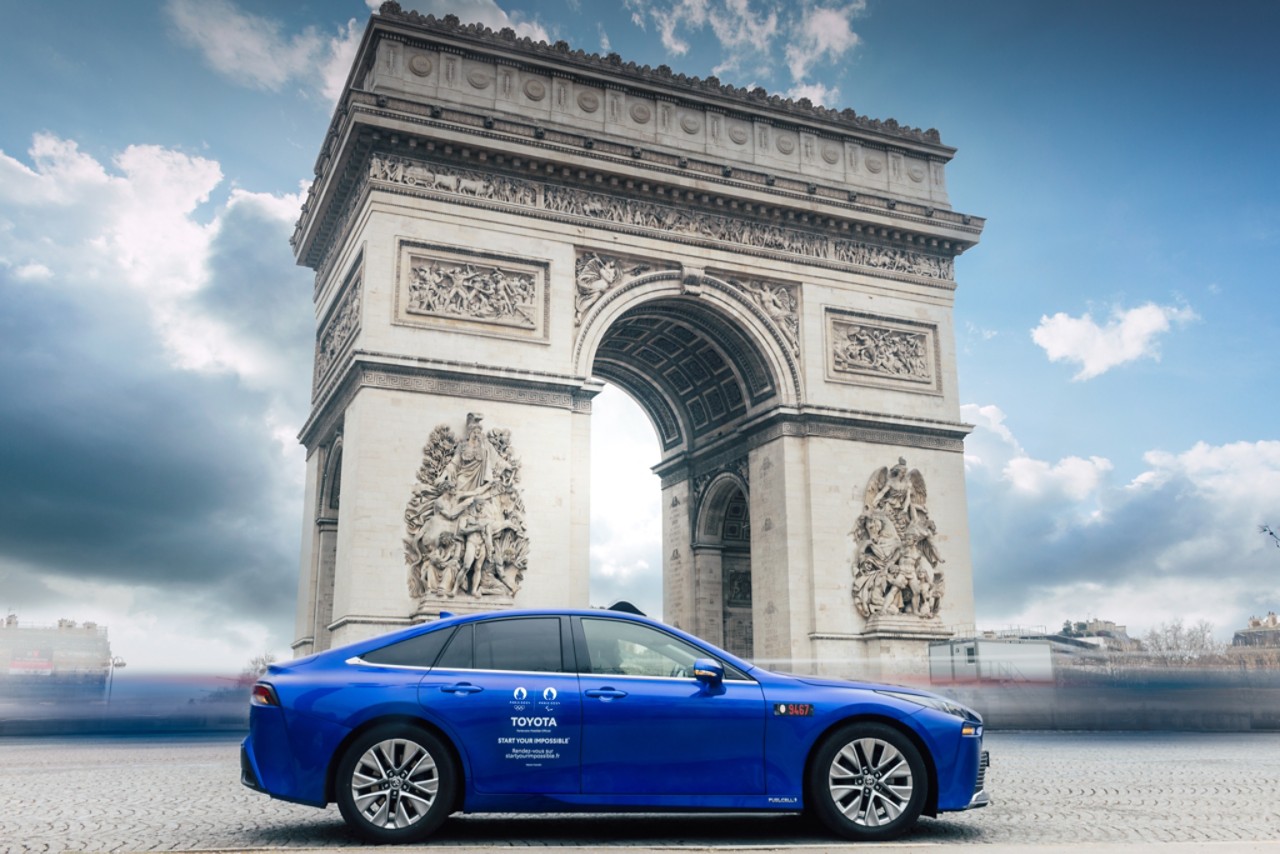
x=883, y=351
x=465, y=520
x=895, y=565
x=467, y=290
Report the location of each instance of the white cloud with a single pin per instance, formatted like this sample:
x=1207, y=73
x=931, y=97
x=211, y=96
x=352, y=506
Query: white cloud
x=689, y=14
x=486, y=12
x=1241, y=476
x=32, y=272
x=171, y=317
x=1072, y=477
x=1130, y=334
x=1058, y=540
x=336, y=62
x=818, y=93
x=134, y=226
x=992, y=445
x=254, y=50
x=605, y=45
x=823, y=34
x=994, y=448
x=736, y=26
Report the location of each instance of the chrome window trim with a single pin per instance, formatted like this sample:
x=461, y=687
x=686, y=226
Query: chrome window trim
x=356, y=660
x=667, y=678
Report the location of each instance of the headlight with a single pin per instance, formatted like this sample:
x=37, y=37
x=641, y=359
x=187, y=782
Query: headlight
x=941, y=704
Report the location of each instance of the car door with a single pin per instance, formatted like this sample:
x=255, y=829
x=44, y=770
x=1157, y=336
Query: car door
x=650, y=728
x=504, y=688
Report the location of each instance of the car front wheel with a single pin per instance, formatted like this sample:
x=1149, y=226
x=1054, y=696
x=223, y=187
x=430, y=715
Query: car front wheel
x=396, y=783
x=867, y=782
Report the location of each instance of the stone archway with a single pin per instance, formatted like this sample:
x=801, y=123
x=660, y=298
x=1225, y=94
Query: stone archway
x=497, y=226
x=722, y=561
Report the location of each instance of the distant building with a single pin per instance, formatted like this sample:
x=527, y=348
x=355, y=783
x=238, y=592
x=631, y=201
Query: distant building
x=991, y=659
x=68, y=661
x=1261, y=632
x=1103, y=634
x=1257, y=645
x=1028, y=653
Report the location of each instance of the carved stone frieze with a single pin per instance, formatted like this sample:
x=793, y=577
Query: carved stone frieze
x=667, y=220
x=596, y=275
x=480, y=292
x=885, y=351
x=337, y=331
x=896, y=566
x=682, y=221
x=893, y=259
x=465, y=518
x=462, y=182
x=779, y=302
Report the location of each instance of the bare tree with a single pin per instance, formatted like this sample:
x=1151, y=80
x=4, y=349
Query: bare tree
x=1172, y=643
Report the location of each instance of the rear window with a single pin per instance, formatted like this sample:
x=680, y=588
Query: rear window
x=418, y=651
x=530, y=644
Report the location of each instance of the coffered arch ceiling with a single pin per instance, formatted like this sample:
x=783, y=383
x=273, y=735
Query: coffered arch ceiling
x=694, y=371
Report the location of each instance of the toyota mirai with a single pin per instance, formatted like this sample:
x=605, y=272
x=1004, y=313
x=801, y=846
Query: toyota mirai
x=563, y=711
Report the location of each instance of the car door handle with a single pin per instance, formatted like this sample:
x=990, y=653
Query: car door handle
x=461, y=688
x=606, y=693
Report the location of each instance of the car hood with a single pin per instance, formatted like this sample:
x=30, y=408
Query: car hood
x=850, y=683
x=961, y=709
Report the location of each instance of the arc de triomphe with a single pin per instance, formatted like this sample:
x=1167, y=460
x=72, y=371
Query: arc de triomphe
x=498, y=226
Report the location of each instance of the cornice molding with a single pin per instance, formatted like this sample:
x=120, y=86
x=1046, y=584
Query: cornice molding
x=365, y=369
x=755, y=100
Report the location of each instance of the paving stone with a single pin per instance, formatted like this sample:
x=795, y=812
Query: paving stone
x=171, y=793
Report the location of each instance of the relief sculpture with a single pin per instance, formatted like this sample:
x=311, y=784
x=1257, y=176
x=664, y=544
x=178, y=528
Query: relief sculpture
x=668, y=219
x=896, y=567
x=595, y=275
x=472, y=291
x=893, y=259
x=465, y=519
x=338, y=331
x=877, y=350
x=779, y=303
x=464, y=182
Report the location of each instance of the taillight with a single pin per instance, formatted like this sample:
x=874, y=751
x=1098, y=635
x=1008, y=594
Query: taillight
x=263, y=695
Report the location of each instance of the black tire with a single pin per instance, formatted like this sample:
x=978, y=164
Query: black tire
x=867, y=782
x=396, y=783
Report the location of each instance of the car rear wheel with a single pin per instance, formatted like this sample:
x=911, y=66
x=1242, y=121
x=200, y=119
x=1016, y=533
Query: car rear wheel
x=867, y=782
x=396, y=783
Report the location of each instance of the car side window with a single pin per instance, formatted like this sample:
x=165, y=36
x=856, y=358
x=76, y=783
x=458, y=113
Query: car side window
x=527, y=644
x=419, y=651
x=629, y=649
x=457, y=655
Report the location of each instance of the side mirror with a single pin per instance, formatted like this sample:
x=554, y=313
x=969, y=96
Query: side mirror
x=708, y=671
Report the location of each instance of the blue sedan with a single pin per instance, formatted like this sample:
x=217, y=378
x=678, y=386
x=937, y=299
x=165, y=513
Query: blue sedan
x=596, y=711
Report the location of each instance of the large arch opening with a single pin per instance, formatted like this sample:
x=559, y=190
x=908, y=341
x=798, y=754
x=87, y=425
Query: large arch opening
x=699, y=375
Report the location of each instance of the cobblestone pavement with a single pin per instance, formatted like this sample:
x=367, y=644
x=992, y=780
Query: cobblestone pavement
x=1129, y=790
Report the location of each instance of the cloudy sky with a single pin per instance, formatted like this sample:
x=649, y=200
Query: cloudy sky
x=1118, y=325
